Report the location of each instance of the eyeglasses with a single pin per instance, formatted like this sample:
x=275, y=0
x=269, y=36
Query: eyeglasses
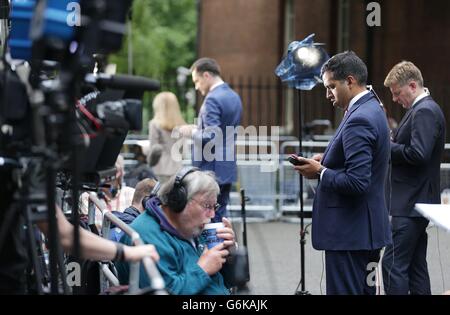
x=207, y=206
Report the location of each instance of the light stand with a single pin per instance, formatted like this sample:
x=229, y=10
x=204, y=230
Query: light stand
x=301, y=70
x=301, y=213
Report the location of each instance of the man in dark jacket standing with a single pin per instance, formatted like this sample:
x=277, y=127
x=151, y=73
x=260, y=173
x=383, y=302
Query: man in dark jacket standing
x=416, y=150
x=350, y=218
x=215, y=133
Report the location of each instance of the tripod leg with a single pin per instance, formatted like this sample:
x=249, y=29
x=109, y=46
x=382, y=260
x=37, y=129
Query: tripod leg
x=62, y=270
x=33, y=252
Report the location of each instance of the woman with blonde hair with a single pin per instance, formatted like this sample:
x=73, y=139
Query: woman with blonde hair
x=167, y=117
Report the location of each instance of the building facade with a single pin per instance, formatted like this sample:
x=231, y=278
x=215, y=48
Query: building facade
x=249, y=39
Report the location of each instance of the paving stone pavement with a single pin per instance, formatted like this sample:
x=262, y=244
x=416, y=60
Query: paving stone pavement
x=274, y=255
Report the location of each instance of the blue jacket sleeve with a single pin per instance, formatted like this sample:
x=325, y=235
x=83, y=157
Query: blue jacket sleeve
x=358, y=140
x=211, y=121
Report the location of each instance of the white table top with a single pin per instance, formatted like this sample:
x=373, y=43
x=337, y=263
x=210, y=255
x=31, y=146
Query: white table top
x=439, y=214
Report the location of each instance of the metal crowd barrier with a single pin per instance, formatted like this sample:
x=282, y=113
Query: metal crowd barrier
x=255, y=175
x=289, y=197
x=257, y=164
x=107, y=277
x=289, y=179
x=276, y=193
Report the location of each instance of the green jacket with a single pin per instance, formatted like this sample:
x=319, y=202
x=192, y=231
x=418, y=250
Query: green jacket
x=178, y=257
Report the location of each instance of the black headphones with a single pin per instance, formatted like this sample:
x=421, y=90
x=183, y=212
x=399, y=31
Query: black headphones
x=177, y=197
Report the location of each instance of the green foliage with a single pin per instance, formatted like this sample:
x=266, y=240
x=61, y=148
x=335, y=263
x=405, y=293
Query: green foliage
x=163, y=38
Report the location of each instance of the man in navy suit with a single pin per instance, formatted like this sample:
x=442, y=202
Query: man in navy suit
x=215, y=133
x=350, y=216
x=416, y=151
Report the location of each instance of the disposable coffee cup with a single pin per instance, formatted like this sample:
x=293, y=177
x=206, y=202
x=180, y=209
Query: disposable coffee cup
x=209, y=234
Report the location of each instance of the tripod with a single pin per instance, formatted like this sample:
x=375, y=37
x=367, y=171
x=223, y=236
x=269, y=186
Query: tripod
x=35, y=213
x=27, y=207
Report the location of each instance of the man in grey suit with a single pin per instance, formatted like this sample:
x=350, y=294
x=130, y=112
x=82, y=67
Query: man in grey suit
x=416, y=149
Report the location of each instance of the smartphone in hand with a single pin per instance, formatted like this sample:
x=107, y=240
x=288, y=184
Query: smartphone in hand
x=293, y=160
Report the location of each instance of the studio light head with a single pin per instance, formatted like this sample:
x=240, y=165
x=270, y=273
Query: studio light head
x=307, y=57
x=301, y=66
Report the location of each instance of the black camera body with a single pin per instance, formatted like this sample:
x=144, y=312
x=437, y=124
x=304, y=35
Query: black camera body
x=96, y=122
x=61, y=124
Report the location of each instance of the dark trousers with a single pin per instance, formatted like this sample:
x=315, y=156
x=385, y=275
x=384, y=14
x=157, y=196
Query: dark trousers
x=405, y=269
x=351, y=272
x=222, y=199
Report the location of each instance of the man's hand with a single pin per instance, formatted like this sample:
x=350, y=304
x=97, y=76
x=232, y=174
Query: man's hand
x=317, y=157
x=212, y=260
x=136, y=253
x=311, y=168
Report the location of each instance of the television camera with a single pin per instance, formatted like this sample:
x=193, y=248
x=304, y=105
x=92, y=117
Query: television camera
x=62, y=120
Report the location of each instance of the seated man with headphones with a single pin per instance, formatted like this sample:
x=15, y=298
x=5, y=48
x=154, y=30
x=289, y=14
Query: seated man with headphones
x=173, y=221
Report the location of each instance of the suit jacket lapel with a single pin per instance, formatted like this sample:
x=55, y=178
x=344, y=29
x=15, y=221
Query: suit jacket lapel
x=362, y=100
x=403, y=121
x=407, y=115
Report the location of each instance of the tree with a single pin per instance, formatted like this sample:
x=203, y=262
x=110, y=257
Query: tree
x=163, y=37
